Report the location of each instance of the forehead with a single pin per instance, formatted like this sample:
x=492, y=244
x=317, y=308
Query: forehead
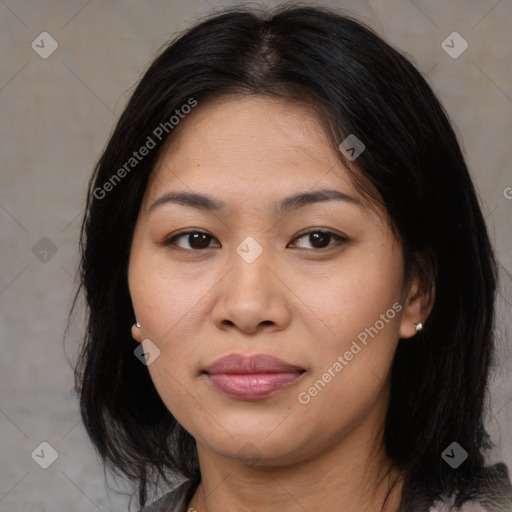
x=254, y=146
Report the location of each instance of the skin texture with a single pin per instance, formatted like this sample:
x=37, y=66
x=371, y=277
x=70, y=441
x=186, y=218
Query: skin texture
x=302, y=304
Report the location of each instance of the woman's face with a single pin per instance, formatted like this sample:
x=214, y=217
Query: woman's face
x=260, y=278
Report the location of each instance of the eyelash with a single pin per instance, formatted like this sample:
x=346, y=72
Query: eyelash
x=338, y=239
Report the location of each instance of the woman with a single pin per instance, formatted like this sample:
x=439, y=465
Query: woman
x=289, y=280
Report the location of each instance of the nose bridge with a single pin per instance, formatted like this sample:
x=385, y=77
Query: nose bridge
x=251, y=295
x=250, y=262
x=250, y=249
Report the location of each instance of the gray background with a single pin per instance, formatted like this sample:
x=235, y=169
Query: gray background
x=56, y=115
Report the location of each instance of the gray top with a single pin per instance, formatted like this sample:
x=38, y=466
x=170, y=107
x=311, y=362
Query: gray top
x=492, y=494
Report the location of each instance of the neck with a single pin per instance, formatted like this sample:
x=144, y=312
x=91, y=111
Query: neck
x=354, y=477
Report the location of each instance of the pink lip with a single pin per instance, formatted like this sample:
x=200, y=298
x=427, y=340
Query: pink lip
x=251, y=377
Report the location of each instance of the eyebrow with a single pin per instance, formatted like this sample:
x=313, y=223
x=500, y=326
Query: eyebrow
x=294, y=202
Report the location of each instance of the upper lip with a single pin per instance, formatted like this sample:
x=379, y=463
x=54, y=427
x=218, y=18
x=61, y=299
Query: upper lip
x=260, y=363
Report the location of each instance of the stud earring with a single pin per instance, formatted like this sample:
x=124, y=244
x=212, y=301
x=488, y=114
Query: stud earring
x=418, y=326
x=137, y=324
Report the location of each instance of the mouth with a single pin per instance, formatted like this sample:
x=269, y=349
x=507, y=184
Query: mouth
x=251, y=377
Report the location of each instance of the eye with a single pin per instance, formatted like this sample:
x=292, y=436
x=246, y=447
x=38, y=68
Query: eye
x=320, y=239
x=200, y=240
x=194, y=240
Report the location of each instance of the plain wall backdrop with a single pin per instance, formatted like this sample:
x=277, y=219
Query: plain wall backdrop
x=57, y=111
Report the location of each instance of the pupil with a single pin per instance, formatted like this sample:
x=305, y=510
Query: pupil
x=319, y=240
x=199, y=240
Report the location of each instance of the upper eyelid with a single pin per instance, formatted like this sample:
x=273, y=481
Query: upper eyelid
x=171, y=238
x=337, y=236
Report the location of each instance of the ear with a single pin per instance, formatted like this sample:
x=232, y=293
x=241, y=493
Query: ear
x=417, y=306
x=136, y=334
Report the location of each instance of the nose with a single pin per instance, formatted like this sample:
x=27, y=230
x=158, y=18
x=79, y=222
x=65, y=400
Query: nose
x=252, y=298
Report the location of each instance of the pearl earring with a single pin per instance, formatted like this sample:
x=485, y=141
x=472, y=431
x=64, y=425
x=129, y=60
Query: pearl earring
x=137, y=324
x=418, y=326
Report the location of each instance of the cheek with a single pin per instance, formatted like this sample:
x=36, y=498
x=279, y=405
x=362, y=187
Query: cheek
x=359, y=317
x=167, y=301
x=167, y=305
x=349, y=377
x=168, y=311
x=352, y=297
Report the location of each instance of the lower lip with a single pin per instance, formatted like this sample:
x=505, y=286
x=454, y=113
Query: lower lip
x=252, y=386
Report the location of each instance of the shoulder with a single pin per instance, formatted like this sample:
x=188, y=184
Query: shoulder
x=489, y=492
x=173, y=501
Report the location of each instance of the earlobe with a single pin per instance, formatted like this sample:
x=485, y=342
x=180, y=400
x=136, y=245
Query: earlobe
x=416, y=310
x=136, y=335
